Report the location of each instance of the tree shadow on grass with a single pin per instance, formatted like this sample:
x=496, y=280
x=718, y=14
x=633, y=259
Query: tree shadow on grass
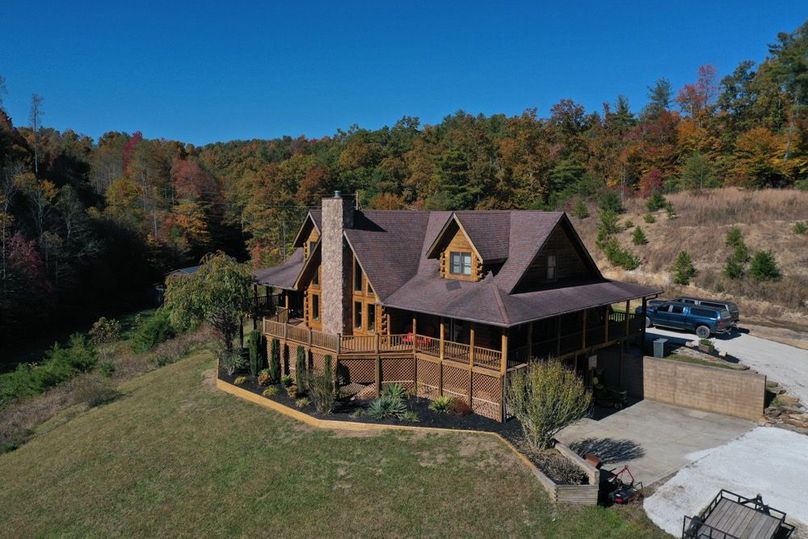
x=609, y=450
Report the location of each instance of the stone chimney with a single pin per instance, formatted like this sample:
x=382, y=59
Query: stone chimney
x=336, y=258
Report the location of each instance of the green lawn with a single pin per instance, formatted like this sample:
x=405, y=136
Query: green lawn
x=174, y=456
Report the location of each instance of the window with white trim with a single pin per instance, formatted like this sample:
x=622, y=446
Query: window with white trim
x=460, y=263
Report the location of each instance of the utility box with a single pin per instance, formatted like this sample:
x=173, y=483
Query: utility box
x=659, y=347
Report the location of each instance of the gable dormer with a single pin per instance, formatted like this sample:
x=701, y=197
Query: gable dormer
x=459, y=258
x=308, y=236
x=560, y=261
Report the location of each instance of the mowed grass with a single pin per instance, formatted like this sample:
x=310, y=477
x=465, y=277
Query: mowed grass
x=176, y=457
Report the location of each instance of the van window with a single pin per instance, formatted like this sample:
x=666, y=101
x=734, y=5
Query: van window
x=711, y=304
x=676, y=309
x=689, y=301
x=703, y=312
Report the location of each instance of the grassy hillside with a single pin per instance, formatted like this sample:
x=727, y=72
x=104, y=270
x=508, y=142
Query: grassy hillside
x=766, y=219
x=174, y=456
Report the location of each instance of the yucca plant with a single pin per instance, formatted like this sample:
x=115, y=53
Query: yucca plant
x=441, y=404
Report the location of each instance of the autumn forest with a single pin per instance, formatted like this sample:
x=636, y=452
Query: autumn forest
x=93, y=224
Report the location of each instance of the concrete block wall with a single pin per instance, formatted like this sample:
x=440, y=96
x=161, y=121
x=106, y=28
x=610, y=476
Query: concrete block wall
x=712, y=389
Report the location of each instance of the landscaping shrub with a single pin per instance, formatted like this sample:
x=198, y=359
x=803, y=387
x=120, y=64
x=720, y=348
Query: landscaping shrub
x=286, y=380
x=104, y=331
x=390, y=404
x=263, y=377
x=683, y=269
x=459, y=406
x=271, y=391
x=94, y=391
x=763, y=267
x=546, y=397
x=302, y=402
x=231, y=361
x=670, y=210
x=291, y=390
x=628, y=224
x=275, y=361
x=656, y=202
x=240, y=380
x=152, y=331
x=300, y=369
x=800, y=228
x=649, y=218
x=638, y=236
x=321, y=388
x=441, y=404
x=254, y=347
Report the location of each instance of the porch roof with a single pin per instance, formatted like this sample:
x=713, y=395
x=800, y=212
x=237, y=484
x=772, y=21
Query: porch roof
x=486, y=303
x=283, y=275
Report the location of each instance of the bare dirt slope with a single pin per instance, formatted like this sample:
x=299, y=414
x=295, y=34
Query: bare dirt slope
x=766, y=219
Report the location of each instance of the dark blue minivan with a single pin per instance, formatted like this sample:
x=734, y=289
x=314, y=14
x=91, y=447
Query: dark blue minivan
x=703, y=321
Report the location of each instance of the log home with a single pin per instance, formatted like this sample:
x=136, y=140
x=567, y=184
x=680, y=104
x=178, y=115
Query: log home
x=443, y=302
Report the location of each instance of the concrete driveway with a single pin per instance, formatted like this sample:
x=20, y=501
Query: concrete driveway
x=784, y=364
x=654, y=439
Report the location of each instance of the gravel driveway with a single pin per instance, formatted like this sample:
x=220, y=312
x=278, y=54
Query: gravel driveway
x=784, y=364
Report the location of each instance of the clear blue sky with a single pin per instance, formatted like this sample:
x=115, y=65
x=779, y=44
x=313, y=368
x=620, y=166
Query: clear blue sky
x=206, y=71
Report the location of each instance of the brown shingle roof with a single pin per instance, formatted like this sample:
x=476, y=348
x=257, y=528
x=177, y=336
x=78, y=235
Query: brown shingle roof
x=393, y=246
x=284, y=275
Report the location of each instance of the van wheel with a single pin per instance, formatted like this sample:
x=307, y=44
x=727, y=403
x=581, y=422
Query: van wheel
x=647, y=322
x=703, y=332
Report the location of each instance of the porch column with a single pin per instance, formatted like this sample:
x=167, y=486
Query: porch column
x=414, y=332
x=644, y=302
x=440, y=356
x=255, y=306
x=471, y=361
x=583, y=333
x=530, y=341
x=503, y=363
x=628, y=310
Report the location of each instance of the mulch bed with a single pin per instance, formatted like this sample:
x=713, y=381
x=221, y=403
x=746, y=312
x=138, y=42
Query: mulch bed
x=552, y=463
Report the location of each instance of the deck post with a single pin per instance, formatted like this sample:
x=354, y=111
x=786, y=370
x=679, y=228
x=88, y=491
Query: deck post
x=503, y=370
x=255, y=307
x=471, y=361
x=339, y=343
x=378, y=368
x=583, y=331
x=628, y=307
x=530, y=341
x=440, y=356
x=642, y=325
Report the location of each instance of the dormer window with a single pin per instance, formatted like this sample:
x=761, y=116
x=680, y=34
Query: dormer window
x=551, y=267
x=460, y=263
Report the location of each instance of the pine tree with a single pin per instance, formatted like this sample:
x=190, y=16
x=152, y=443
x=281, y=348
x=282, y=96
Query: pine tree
x=638, y=236
x=683, y=269
x=764, y=267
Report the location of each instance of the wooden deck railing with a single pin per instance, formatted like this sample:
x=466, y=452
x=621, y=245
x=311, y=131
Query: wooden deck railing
x=370, y=344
